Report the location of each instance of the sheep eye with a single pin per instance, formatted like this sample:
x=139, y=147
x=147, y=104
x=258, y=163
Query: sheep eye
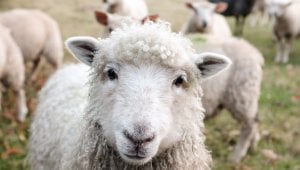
x=112, y=75
x=179, y=81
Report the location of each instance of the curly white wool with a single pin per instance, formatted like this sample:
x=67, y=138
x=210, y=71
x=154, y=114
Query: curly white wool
x=131, y=42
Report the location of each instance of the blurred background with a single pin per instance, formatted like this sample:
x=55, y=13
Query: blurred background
x=279, y=106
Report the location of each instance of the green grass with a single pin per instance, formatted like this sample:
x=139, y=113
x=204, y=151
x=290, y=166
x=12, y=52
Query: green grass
x=279, y=109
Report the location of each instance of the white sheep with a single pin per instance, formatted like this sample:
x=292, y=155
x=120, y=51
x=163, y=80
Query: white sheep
x=114, y=21
x=286, y=26
x=205, y=19
x=12, y=73
x=259, y=13
x=36, y=34
x=137, y=9
x=236, y=89
x=141, y=108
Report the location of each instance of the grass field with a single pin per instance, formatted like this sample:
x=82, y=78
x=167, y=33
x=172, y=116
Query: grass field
x=279, y=110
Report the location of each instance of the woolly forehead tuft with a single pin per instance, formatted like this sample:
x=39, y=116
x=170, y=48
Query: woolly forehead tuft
x=152, y=42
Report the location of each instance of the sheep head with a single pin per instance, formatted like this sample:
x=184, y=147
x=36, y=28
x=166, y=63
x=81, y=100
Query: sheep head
x=276, y=8
x=114, y=21
x=203, y=13
x=145, y=87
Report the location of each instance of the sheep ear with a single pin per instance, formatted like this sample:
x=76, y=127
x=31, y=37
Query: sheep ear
x=83, y=48
x=221, y=7
x=102, y=17
x=211, y=64
x=152, y=18
x=190, y=5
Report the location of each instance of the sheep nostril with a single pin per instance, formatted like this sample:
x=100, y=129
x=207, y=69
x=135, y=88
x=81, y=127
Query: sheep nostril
x=128, y=136
x=149, y=139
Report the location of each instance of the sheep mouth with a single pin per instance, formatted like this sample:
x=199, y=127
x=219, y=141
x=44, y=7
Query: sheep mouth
x=136, y=157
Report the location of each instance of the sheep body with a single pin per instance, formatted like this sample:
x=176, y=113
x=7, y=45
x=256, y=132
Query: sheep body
x=286, y=26
x=82, y=132
x=236, y=89
x=64, y=112
x=12, y=73
x=137, y=9
x=37, y=34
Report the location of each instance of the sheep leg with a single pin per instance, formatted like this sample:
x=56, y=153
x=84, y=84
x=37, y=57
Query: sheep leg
x=242, y=25
x=22, y=108
x=254, y=19
x=256, y=138
x=246, y=115
x=265, y=18
x=237, y=23
x=240, y=21
x=258, y=18
x=279, y=51
x=286, y=51
x=34, y=68
x=249, y=135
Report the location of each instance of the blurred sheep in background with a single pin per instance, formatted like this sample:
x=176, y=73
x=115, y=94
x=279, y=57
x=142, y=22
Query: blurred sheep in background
x=286, y=26
x=136, y=9
x=12, y=72
x=206, y=20
x=259, y=13
x=114, y=21
x=37, y=34
x=236, y=89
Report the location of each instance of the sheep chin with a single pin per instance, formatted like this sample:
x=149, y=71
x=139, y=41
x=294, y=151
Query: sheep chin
x=128, y=153
x=135, y=161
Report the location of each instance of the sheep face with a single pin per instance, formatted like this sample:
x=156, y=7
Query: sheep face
x=203, y=13
x=140, y=96
x=142, y=120
x=111, y=21
x=276, y=8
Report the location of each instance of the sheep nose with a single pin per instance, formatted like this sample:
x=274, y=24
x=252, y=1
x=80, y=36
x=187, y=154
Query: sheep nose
x=137, y=140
